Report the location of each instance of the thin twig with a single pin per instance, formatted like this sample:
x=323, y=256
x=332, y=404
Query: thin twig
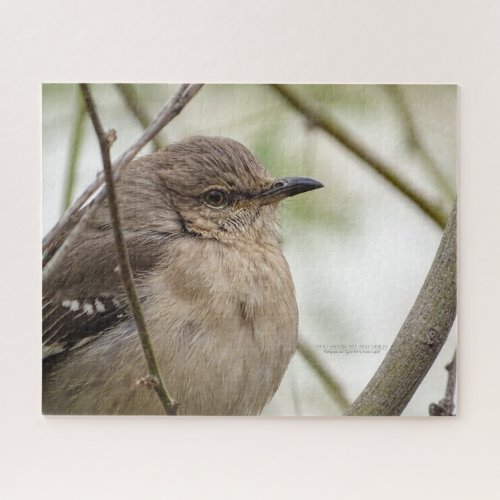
x=105, y=142
x=76, y=142
x=334, y=388
x=131, y=99
x=446, y=407
x=421, y=337
x=173, y=107
x=317, y=117
x=65, y=232
x=415, y=142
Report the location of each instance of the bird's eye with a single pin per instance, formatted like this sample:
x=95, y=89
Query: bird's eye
x=215, y=198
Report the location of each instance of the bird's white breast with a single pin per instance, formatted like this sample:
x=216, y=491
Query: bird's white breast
x=226, y=326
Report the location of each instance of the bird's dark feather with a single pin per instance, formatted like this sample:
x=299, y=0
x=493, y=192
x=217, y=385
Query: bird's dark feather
x=70, y=322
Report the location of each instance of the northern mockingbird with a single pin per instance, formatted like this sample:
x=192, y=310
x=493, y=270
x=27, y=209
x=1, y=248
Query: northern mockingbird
x=201, y=225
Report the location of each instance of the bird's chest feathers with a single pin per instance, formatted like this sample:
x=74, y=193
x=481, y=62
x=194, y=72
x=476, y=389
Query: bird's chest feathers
x=249, y=278
x=227, y=289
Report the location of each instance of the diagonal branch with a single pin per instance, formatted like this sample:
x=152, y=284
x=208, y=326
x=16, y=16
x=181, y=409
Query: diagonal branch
x=64, y=233
x=421, y=337
x=446, y=407
x=414, y=140
x=334, y=388
x=130, y=97
x=354, y=145
x=105, y=142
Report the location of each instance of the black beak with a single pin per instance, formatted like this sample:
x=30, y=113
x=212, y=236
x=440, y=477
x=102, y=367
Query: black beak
x=286, y=187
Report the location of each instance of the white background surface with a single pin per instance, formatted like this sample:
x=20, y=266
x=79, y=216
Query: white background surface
x=358, y=41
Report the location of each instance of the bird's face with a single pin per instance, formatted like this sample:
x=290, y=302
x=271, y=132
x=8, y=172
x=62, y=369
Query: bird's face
x=221, y=191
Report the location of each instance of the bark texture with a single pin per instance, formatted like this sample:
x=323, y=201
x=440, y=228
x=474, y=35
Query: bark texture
x=421, y=337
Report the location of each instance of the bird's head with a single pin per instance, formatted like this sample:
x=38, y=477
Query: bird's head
x=219, y=190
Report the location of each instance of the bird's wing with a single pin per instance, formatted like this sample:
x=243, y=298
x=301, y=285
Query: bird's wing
x=74, y=321
x=85, y=298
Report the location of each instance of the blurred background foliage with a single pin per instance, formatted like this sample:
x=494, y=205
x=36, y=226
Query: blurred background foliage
x=358, y=249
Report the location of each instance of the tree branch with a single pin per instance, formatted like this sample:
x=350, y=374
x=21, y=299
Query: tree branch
x=337, y=131
x=64, y=233
x=334, y=388
x=414, y=141
x=446, y=407
x=420, y=339
x=131, y=99
x=105, y=142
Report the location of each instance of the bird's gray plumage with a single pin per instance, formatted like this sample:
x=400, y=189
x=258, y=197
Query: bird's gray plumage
x=216, y=290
